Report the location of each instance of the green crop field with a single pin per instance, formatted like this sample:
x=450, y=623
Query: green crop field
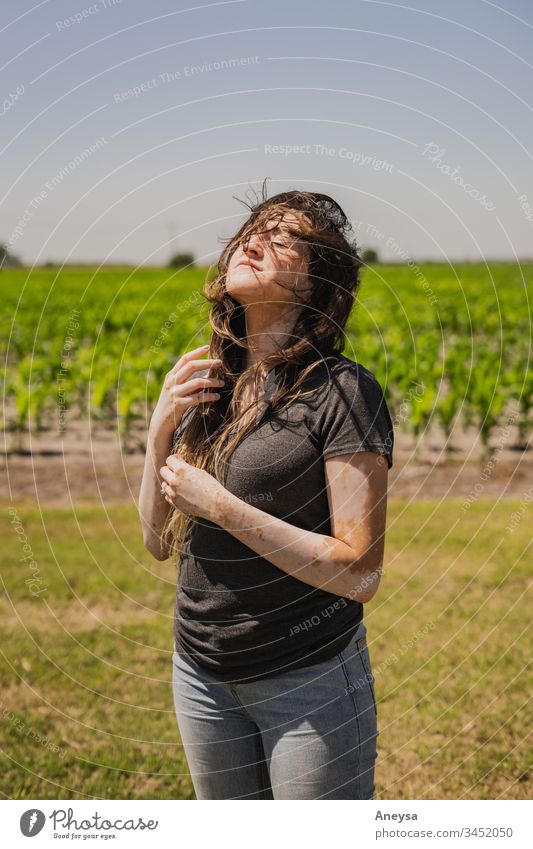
x=447, y=343
x=85, y=666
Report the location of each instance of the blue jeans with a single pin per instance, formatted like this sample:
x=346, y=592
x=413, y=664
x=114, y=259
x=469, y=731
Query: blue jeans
x=306, y=734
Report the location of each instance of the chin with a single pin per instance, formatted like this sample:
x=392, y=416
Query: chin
x=245, y=295
x=242, y=282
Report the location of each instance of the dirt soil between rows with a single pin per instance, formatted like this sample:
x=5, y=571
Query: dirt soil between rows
x=76, y=466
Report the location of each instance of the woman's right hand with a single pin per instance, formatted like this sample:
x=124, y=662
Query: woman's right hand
x=181, y=390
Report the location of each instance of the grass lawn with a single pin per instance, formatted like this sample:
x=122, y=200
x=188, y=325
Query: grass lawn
x=86, y=703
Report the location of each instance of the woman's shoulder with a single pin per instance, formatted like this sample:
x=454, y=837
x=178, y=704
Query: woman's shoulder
x=338, y=371
x=353, y=413
x=344, y=364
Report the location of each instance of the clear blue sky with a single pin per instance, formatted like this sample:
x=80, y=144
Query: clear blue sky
x=417, y=117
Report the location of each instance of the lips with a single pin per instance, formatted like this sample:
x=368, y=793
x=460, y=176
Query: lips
x=247, y=262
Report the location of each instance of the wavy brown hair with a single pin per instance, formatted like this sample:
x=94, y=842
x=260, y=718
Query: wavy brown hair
x=213, y=429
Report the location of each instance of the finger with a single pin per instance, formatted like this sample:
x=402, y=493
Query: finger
x=166, y=474
x=183, y=374
x=206, y=383
x=186, y=370
x=190, y=355
x=169, y=498
x=175, y=465
x=200, y=397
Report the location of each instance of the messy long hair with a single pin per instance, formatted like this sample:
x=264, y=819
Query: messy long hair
x=213, y=429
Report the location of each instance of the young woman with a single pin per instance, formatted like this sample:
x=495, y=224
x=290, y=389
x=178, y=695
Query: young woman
x=266, y=475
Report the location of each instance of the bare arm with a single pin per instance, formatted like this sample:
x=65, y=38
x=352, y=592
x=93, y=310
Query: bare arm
x=153, y=507
x=348, y=563
x=181, y=390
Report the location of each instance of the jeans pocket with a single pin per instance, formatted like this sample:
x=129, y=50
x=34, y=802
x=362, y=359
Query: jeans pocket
x=357, y=672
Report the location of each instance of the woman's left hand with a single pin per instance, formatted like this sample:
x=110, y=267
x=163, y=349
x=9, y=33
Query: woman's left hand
x=189, y=489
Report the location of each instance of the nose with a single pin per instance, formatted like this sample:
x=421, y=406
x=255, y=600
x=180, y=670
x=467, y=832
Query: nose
x=253, y=246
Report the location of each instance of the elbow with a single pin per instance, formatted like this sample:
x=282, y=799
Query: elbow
x=364, y=583
x=155, y=542
x=364, y=596
x=156, y=549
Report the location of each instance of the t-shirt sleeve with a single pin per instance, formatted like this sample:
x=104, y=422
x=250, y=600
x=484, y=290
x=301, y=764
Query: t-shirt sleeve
x=355, y=416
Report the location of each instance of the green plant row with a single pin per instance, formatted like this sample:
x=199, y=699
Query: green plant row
x=446, y=343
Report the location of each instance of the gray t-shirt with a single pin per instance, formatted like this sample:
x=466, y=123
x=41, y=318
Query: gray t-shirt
x=236, y=614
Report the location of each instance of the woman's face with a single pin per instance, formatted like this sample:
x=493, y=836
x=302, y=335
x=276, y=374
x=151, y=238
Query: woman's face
x=271, y=267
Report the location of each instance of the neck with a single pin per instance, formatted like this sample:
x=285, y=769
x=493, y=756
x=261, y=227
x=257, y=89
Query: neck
x=268, y=328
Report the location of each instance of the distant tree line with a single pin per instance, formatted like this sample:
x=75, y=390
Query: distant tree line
x=182, y=260
x=7, y=260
